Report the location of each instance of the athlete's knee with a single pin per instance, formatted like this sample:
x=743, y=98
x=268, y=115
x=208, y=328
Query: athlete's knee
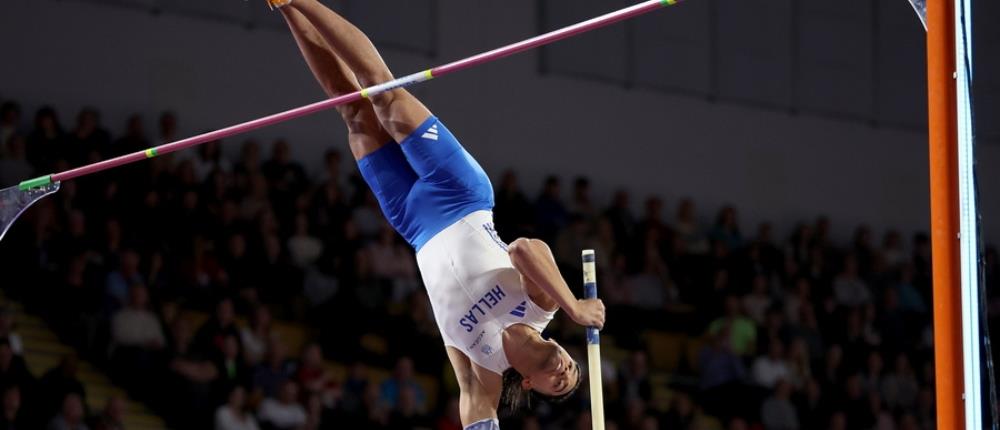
x=373, y=74
x=360, y=118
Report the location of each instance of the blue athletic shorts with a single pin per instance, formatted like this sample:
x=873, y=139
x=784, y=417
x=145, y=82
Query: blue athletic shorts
x=488, y=424
x=427, y=182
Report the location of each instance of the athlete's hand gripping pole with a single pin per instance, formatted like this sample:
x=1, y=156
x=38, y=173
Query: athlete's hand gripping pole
x=593, y=344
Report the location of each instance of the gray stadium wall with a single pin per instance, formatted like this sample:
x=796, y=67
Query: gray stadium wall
x=771, y=164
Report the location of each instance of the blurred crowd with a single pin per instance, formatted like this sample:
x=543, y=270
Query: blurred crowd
x=786, y=328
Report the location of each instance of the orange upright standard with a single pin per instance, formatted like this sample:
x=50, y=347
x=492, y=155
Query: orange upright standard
x=943, y=133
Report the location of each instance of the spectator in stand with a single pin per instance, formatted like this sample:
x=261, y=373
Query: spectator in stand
x=46, y=143
x=872, y=374
x=286, y=178
x=569, y=242
x=857, y=403
x=230, y=367
x=718, y=365
x=168, y=128
x=7, y=330
x=653, y=232
x=210, y=337
x=190, y=379
x=619, y=214
x=119, y=281
x=900, y=387
x=366, y=219
x=13, y=370
x=799, y=363
x=136, y=334
x=848, y=287
x=450, y=419
x=582, y=205
x=209, y=159
x=742, y=331
x=774, y=327
x=330, y=212
x=256, y=202
x=615, y=290
x=10, y=124
x=283, y=173
x=235, y=414
x=833, y=370
x=773, y=367
x=270, y=374
x=910, y=299
x=550, y=212
x=354, y=388
x=795, y=300
x=58, y=383
x=71, y=415
x=812, y=406
x=727, y=229
x=313, y=377
x=304, y=249
x=248, y=165
x=652, y=288
x=758, y=301
x=133, y=139
x=330, y=172
x=402, y=376
x=737, y=423
x=256, y=336
x=681, y=415
x=89, y=141
x=777, y=412
x=12, y=417
x=14, y=165
x=689, y=232
x=634, y=378
x=892, y=249
x=634, y=411
x=925, y=413
x=393, y=263
x=407, y=413
x=113, y=415
x=283, y=412
x=513, y=212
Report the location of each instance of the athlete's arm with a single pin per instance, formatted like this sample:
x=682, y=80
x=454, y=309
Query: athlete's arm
x=533, y=258
x=480, y=390
x=399, y=112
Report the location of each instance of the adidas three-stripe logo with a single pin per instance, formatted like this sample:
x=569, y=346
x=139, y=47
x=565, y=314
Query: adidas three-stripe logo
x=520, y=309
x=431, y=133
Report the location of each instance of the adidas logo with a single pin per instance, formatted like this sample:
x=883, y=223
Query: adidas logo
x=520, y=310
x=431, y=133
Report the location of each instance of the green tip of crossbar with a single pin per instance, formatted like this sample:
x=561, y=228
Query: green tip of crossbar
x=40, y=181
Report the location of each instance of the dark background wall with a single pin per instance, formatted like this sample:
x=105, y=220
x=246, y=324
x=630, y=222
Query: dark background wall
x=782, y=131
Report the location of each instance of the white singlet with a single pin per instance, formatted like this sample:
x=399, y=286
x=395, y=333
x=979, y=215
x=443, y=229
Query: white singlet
x=475, y=291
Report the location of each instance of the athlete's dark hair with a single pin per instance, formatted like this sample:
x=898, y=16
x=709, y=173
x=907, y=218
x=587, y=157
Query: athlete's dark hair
x=514, y=398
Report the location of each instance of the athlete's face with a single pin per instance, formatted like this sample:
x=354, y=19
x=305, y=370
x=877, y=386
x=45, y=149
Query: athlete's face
x=557, y=375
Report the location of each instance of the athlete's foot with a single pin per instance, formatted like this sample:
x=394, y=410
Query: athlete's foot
x=274, y=4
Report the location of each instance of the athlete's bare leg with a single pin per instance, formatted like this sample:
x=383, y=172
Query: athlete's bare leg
x=365, y=133
x=399, y=112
